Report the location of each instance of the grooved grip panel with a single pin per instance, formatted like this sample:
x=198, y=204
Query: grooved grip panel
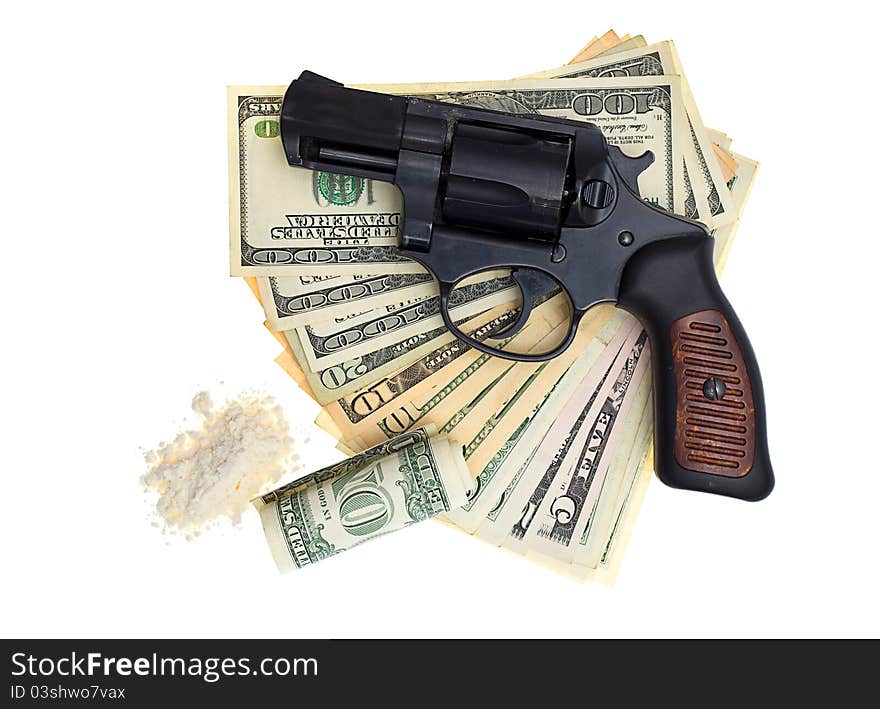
x=715, y=409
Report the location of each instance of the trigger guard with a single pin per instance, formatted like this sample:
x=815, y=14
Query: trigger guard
x=446, y=288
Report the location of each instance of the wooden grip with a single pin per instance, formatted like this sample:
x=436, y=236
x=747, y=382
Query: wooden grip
x=709, y=414
x=715, y=408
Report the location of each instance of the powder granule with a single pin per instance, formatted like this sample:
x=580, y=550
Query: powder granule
x=211, y=473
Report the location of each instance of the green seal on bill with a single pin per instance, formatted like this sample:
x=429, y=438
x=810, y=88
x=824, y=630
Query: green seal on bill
x=340, y=189
x=267, y=129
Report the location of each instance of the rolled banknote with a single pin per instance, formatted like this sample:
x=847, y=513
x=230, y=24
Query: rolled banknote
x=401, y=481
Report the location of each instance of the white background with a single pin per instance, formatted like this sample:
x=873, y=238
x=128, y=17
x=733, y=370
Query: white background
x=117, y=307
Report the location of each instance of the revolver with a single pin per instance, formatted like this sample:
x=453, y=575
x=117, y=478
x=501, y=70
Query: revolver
x=553, y=204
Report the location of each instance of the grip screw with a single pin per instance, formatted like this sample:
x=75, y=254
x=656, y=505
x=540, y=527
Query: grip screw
x=713, y=388
x=625, y=238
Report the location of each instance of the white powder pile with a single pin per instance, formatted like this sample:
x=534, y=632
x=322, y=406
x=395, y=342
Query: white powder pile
x=212, y=472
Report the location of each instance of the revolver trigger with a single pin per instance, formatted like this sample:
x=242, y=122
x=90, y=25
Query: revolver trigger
x=532, y=284
x=630, y=168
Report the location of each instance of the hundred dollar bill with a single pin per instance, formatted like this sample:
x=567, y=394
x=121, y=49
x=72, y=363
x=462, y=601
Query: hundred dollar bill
x=328, y=344
x=293, y=301
x=401, y=482
x=397, y=402
x=283, y=220
x=340, y=380
x=713, y=202
x=448, y=399
x=634, y=113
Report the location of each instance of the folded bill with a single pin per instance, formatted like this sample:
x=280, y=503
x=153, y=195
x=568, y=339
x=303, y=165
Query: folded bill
x=398, y=483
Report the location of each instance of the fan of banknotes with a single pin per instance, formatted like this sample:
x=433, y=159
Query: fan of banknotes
x=557, y=453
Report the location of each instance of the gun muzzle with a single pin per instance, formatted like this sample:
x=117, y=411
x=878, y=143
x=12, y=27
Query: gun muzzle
x=326, y=126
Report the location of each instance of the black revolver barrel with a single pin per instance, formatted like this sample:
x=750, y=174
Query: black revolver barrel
x=490, y=175
x=328, y=127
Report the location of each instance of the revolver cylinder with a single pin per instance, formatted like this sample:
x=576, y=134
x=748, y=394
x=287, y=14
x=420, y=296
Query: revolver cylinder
x=506, y=181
